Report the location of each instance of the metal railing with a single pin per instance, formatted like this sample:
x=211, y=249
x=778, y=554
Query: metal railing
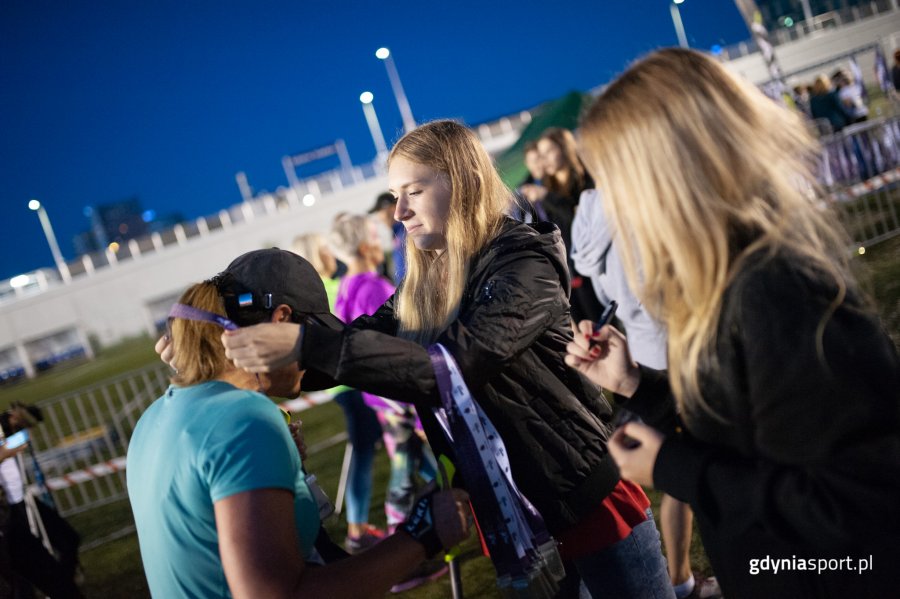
x=80, y=446
x=860, y=169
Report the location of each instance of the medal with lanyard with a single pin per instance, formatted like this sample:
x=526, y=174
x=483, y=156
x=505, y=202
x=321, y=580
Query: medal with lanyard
x=523, y=552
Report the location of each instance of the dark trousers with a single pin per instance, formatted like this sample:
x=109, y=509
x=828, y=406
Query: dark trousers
x=30, y=560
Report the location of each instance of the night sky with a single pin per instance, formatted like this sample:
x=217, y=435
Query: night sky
x=167, y=100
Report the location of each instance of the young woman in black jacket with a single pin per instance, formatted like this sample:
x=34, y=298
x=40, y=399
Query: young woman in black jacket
x=787, y=387
x=494, y=294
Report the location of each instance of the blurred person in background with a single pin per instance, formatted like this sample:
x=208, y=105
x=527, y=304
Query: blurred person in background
x=531, y=190
x=801, y=95
x=564, y=179
x=313, y=248
x=354, y=239
x=786, y=385
x=825, y=104
x=383, y=211
x=363, y=428
x=851, y=96
x=215, y=479
x=54, y=574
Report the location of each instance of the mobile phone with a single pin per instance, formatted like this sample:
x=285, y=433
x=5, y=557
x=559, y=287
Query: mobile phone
x=17, y=439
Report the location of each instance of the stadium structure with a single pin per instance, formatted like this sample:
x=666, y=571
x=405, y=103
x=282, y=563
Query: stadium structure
x=106, y=296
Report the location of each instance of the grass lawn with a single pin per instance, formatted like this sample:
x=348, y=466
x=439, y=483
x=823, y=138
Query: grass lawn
x=112, y=565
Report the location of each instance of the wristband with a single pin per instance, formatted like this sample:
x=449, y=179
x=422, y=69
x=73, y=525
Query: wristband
x=420, y=526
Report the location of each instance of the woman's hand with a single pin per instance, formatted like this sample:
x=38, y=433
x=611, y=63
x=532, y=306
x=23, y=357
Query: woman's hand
x=607, y=362
x=263, y=347
x=636, y=463
x=452, y=517
x=6, y=452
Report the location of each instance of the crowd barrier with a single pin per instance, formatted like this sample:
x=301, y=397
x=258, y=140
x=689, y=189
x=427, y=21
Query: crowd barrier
x=80, y=447
x=860, y=171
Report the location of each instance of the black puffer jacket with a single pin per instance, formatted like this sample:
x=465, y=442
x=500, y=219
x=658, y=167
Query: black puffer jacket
x=508, y=340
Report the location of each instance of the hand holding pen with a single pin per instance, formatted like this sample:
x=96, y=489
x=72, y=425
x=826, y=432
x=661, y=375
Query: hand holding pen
x=600, y=352
x=605, y=318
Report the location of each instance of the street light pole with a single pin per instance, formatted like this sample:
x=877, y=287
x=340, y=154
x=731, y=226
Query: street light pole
x=679, y=25
x=409, y=123
x=374, y=127
x=51, y=239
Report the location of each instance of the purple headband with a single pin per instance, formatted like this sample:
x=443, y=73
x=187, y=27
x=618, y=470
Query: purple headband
x=191, y=313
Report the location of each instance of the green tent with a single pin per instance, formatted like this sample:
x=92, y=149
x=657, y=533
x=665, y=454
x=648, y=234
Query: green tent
x=563, y=112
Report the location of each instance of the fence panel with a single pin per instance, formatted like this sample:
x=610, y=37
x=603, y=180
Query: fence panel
x=860, y=169
x=81, y=446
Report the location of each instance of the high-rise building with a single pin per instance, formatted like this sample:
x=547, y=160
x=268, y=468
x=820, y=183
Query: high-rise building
x=112, y=222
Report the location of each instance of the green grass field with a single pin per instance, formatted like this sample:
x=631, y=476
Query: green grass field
x=112, y=565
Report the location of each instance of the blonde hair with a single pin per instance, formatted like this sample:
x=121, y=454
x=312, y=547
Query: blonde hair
x=434, y=283
x=308, y=246
x=200, y=355
x=348, y=232
x=699, y=170
x=821, y=85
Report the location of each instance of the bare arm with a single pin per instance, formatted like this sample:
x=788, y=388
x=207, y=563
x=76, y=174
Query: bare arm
x=259, y=549
x=5, y=452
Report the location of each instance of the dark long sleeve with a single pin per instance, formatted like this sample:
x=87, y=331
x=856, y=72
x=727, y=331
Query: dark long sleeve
x=653, y=401
x=492, y=328
x=814, y=459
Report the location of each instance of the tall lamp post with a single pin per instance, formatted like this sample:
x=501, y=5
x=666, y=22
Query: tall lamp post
x=51, y=239
x=374, y=127
x=409, y=123
x=679, y=25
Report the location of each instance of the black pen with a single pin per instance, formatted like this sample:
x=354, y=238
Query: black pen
x=606, y=317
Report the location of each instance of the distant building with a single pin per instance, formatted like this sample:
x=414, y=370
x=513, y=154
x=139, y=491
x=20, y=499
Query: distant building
x=157, y=224
x=85, y=243
x=113, y=222
x=118, y=221
x=785, y=13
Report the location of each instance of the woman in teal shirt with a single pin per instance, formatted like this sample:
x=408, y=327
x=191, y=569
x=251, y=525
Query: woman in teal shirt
x=220, y=502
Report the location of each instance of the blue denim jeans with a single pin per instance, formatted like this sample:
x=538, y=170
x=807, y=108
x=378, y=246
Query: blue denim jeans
x=363, y=431
x=632, y=568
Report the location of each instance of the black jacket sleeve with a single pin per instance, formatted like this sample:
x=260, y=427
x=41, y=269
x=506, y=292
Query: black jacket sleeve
x=516, y=304
x=653, y=401
x=815, y=390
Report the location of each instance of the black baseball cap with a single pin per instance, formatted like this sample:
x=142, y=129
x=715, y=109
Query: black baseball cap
x=261, y=280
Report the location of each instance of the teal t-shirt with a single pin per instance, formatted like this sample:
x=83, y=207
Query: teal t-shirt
x=192, y=447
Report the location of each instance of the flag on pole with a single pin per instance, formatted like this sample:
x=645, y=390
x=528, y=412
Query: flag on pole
x=858, y=79
x=754, y=21
x=881, y=72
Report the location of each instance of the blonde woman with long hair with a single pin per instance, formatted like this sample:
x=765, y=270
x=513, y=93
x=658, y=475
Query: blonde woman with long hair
x=494, y=294
x=788, y=449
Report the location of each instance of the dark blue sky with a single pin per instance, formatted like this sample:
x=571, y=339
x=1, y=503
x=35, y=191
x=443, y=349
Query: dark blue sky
x=167, y=100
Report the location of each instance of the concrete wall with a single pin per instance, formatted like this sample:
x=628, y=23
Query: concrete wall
x=114, y=301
